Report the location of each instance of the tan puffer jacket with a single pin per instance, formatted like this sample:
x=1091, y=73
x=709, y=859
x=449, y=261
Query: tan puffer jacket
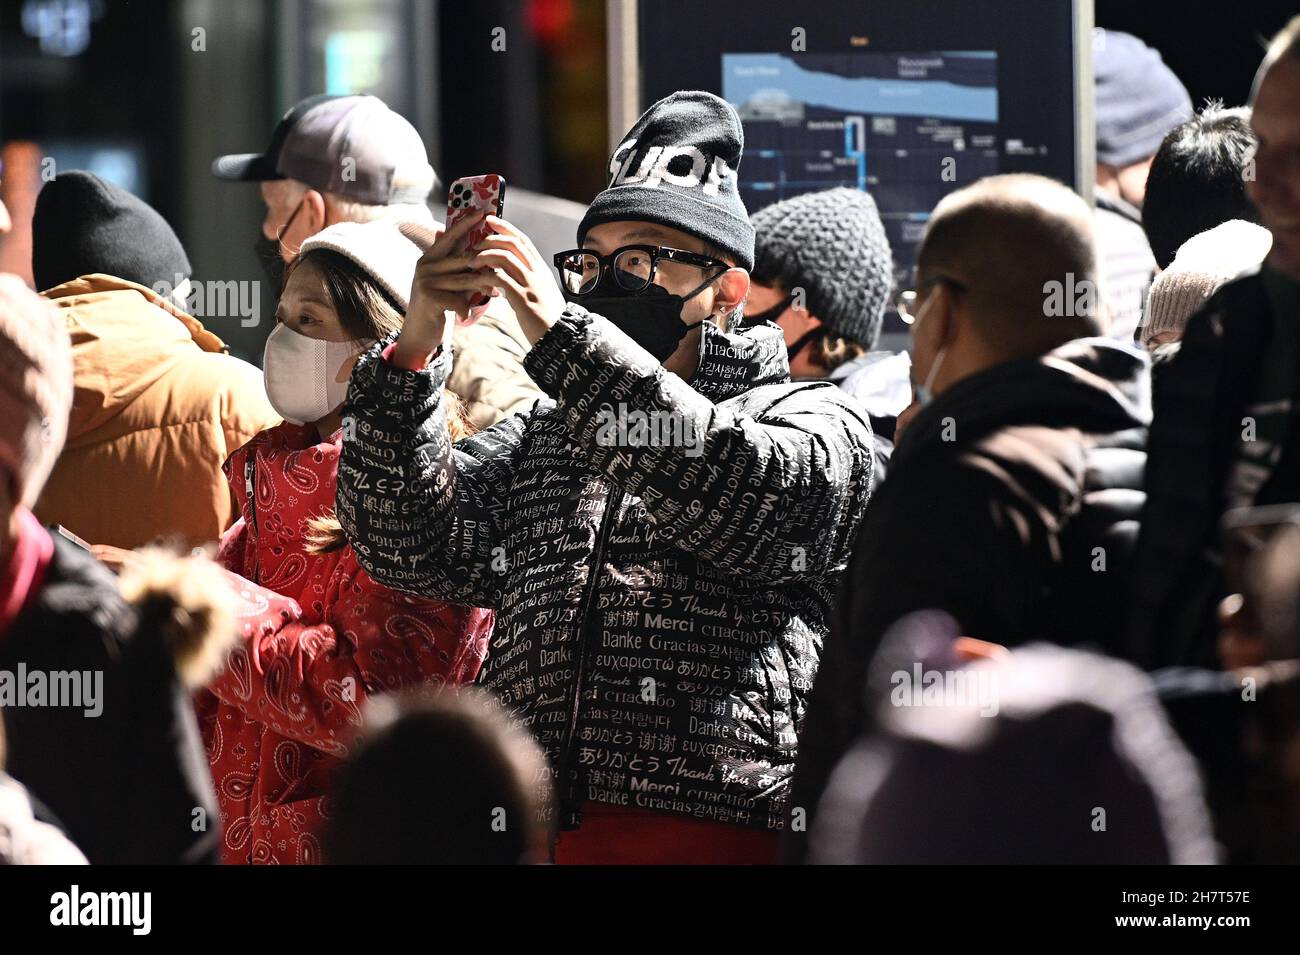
x=158, y=407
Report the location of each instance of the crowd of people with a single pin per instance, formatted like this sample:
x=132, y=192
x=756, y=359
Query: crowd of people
x=649, y=553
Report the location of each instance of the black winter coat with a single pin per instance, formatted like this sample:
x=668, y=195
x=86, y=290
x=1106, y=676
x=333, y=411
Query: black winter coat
x=661, y=605
x=130, y=785
x=1201, y=398
x=999, y=493
x=1243, y=734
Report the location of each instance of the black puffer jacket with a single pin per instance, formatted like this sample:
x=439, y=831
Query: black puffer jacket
x=660, y=609
x=131, y=784
x=998, y=495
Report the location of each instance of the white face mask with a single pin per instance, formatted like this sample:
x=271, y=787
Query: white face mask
x=924, y=394
x=302, y=373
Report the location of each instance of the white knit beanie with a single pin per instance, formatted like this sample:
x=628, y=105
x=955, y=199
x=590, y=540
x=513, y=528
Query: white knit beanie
x=386, y=250
x=1202, y=264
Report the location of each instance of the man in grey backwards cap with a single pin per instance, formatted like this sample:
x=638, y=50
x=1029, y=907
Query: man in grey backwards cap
x=352, y=159
x=334, y=159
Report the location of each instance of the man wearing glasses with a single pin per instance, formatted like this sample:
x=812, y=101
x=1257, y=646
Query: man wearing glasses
x=661, y=536
x=1014, y=490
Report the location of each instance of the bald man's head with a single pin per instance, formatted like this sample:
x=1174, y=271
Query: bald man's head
x=1021, y=246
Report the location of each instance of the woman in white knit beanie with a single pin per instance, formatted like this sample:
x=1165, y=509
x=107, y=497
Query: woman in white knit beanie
x=1203, y=264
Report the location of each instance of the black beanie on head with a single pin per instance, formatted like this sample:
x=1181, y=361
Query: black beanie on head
x=677, y=167
x=84, y=225
x=832, y=245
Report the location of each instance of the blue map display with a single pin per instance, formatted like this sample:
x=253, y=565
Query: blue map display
x=907, y=127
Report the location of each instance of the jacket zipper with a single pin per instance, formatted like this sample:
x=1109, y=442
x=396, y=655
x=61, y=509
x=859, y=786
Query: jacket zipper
x=612, y=503
x=250, y=469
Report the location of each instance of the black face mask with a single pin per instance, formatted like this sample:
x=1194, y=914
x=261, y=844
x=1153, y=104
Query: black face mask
x=770, y=314
x=651, y=318
x=268, y=257
x=803, y=341
x=268, y=253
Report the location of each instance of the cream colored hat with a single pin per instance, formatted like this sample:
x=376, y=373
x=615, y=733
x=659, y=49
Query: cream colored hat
x=1203, y=263
x=387, y=250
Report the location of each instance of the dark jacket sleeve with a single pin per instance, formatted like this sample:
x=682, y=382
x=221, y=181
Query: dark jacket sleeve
x=422, y=516
x=175, y=817
x=771, y=487
x=128, y=776
x=955, y=538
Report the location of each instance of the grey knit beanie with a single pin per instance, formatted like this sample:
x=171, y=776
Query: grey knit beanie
x=1138, y=98
x=831, y=244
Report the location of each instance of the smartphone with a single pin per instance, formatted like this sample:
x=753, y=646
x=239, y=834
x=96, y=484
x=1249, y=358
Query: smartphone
x=465, y=197
x=69, y=536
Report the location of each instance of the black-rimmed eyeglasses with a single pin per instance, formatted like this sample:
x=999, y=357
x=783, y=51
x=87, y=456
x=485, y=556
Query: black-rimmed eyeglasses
x=633, y=266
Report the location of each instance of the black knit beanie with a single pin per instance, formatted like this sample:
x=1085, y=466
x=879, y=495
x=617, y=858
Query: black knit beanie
x=83, y=225
x=832, y=245
x=677, y=167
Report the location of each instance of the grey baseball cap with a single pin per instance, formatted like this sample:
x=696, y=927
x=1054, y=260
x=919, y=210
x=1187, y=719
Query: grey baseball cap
x=351, y=146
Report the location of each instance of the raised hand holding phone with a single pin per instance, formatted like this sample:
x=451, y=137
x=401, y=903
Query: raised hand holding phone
x=468, y=196
x=443, y=283
x=511, y=262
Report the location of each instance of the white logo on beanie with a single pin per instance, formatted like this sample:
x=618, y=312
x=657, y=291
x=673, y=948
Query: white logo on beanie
x=653, y=168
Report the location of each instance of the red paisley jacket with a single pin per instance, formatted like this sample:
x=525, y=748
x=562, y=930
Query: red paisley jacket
x=319, y=637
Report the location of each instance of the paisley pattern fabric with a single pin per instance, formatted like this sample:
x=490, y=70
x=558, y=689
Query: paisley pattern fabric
x=319, y=637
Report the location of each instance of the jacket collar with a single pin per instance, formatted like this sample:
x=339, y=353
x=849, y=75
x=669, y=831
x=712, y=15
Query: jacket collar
x=1115, y=204
x=732, y=363
x=98, y=283
x=291, y=463
x=1093, y=383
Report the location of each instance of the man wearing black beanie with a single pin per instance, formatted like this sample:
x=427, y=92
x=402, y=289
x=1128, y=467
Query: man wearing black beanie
x=661, y=536
x=84, y=225
x=160, y=404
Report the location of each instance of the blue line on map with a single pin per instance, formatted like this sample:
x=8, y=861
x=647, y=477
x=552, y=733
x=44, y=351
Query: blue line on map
x=774, y=78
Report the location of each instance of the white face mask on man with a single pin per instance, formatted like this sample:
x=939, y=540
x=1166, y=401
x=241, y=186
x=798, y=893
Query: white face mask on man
x=304, y=375
x=922, y=392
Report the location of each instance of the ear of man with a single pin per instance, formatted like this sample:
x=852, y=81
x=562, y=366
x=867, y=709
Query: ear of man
x=938, y=325
x=316, y=210
x=731, y=289
x=1023, y=247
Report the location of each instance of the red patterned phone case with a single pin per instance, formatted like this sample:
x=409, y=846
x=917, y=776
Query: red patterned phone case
x=468, y=195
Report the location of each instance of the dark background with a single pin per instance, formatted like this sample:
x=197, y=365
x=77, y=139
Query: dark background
x=537, y=113
x=1213, y=47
